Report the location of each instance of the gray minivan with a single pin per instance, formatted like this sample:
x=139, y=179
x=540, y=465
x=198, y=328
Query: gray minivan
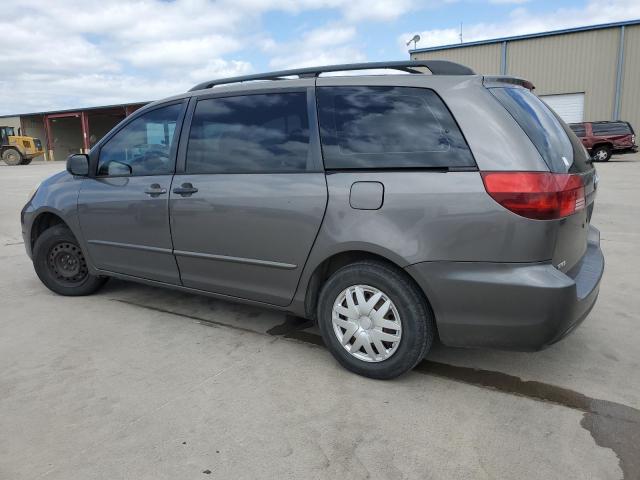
x=391, y=209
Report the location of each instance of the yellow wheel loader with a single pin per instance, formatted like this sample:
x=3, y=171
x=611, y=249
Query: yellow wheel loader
x=18, y=149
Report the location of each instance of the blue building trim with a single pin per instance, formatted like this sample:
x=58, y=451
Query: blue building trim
x=503, y=59
x=619, y=74
x=528, y=36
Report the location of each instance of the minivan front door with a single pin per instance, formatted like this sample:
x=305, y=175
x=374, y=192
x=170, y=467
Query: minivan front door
x=247, y=208
x=124, y=209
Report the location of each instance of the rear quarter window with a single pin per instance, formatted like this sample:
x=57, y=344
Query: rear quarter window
x=388, y=127
x=552, y=137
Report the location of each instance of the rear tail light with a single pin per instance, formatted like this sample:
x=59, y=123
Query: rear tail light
x=537, y=195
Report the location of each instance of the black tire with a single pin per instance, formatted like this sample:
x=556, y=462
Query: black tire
x=601, y=153
x=12, y=157
x=26, y=161
x=61, y=265
x=417, y=323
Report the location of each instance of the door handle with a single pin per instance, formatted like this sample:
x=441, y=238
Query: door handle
x=185, y=190
x=155, y=189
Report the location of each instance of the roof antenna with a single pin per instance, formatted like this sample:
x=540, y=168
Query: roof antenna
x=460, y=32
x=415, y=40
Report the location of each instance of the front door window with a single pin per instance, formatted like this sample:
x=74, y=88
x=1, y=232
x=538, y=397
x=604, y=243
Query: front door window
x=143, y=147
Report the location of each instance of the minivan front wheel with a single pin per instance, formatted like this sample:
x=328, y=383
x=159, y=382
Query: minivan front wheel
x=374, y=320
x=61, y=264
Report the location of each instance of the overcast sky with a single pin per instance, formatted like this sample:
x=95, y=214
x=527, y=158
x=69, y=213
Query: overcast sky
x=73, y=53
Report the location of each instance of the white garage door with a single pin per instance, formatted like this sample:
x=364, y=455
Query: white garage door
x=570, y=106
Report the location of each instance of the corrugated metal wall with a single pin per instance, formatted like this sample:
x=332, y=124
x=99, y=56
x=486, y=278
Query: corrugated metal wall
x=34, y=127
x=576, y=62
x=630, y=99
x=483, y=59
x=10, y=122
x=566, y=63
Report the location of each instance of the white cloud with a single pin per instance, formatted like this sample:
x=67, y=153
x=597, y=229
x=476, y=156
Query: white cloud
x=179, y=52
x=329, y=44
x=73, y=53
x=522, y=21
x=353, y=10
x=377, y=9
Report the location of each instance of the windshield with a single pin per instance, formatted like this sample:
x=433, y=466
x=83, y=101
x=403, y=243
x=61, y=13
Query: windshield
x=10, y=132
x=557, y=144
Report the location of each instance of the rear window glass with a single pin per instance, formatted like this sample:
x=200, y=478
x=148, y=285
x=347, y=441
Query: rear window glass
x=610, y=129
x=579, y=130
x=388, y=127
x=542, y=126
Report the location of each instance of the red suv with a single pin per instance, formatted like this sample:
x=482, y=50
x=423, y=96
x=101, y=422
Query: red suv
x=601, y=139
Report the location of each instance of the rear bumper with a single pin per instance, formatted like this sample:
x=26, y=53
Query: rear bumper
x=515, y=306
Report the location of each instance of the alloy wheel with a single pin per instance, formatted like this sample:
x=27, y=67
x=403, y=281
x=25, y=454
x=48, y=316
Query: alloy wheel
x=601, y=155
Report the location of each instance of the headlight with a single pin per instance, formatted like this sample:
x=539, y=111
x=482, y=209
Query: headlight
x=33, y=192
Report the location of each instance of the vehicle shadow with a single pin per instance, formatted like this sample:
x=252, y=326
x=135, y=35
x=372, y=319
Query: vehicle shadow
x=554, y=362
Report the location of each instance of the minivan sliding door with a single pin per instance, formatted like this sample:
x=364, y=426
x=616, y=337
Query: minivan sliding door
x=248, y=204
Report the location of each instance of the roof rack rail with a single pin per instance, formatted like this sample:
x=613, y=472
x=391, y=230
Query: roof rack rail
x=436, y=67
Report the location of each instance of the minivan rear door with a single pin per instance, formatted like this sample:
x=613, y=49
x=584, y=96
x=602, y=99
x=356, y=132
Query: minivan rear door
x=250, y=193
x=563, y=153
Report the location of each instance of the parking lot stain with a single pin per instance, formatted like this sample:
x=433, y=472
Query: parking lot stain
x=612, y=425
x=291, y=324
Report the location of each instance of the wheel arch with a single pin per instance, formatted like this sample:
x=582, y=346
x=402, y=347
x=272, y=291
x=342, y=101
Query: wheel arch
x=43, y=221
x=325, y=268
x=602, y=144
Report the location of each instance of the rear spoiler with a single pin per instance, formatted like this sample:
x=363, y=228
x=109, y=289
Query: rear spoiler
x=500, y=80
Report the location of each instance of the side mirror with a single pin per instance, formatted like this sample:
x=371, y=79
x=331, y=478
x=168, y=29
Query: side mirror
x=78, y=164
x=117, y=169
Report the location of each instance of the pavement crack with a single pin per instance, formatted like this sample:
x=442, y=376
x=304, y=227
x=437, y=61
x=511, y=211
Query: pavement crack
x=198, y=319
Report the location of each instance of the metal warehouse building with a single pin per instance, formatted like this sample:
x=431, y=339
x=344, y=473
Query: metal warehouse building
x=64, y=132
x=586, y=74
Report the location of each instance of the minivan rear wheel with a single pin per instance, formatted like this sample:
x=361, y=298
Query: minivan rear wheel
x=374, y=320
x=61, y=264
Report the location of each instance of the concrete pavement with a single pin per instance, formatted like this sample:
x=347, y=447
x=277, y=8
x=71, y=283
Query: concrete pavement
x=138, y=382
